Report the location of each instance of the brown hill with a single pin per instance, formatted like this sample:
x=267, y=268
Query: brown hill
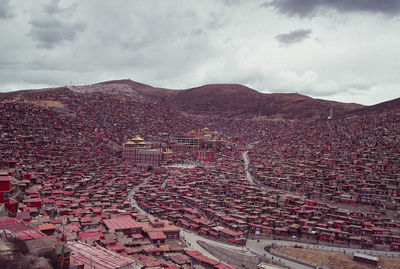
x=218, y=100
x=34, y=94
x=147, y=91
x=233, y=100
x=115, y=87
x=237, y=101
x=388, y=106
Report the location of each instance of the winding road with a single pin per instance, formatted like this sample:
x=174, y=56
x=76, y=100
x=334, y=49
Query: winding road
x=131, y=194
x=246, y=160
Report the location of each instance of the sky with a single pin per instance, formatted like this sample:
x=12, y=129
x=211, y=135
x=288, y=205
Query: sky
x=347, y=51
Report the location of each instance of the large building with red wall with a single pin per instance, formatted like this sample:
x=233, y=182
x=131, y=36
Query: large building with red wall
x=5, y=188
x=137, y=151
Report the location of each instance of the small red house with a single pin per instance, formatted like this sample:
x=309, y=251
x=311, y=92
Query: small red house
x=157, y=237
x=48, y=228
x=34, y=202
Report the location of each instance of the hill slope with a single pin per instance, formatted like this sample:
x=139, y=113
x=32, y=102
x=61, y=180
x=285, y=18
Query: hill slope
x=233, y=100
x=388, y=106
x=217, y=100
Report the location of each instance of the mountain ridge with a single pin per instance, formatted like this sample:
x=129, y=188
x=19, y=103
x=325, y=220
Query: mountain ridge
x=216, y=100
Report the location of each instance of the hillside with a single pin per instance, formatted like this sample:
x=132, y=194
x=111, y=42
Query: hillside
x=216, y=100
x=147, y=91
x=388, y=106
x=233, y=100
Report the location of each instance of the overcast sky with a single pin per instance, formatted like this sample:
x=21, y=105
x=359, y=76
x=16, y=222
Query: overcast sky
x=331, y=49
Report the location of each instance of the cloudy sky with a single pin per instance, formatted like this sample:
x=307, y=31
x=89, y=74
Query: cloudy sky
x=331, y=49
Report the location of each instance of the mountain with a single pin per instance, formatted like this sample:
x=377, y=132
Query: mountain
x=217, y=100
x=37, y=93
x=388, y=106
x=147, y=91
x=234, y=100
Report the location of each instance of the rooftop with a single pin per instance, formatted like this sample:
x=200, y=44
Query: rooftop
x=121, y=223
x=156, y=235
x=98, y=257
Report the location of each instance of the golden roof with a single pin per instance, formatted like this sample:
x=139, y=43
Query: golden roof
x=137, y=138
x=136, y=141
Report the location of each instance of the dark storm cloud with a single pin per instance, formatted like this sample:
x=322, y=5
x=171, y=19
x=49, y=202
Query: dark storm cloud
x=293, y=37
x=53, y=26
x=305, y=8
x=5, y=10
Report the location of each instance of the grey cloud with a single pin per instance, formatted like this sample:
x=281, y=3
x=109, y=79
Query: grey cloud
x=217, y=21
x=53, y=26
x=196, y=31
x=359, y=88
x=293, y=37
x=49, y=32
x=304, y=8
x=232, y=2
x=321, y=91
x=207, y=42
x=135, y=43
x=5, y=10
x=53, y=7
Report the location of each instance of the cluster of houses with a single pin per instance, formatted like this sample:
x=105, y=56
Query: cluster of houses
x=218, y=202
x=65, y=183
x=350, y=161
x=67, y=172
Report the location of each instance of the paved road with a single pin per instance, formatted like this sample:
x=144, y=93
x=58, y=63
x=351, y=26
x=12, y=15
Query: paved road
x=245, y=156
x=192, y=238
x=131, y=199
x=252, y=248
x=372, y=252
x=164, y=183
x=2, y=210
x=258, y=248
